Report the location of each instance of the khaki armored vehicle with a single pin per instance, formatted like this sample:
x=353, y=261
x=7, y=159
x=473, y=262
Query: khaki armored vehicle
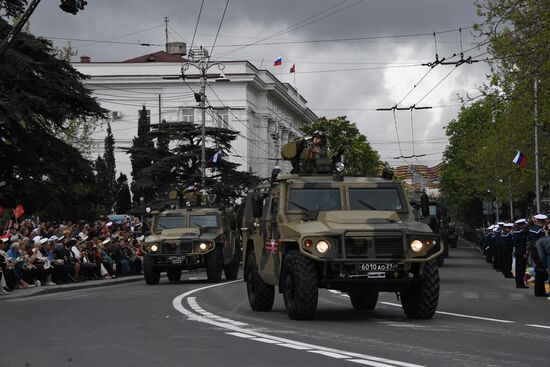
x=192, y=238
x=357, y=235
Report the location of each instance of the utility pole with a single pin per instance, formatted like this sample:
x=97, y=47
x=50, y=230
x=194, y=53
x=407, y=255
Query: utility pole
x=537, y=154
x=166, y=29
x=203, y=127
x=199, y=59
x=511, y=199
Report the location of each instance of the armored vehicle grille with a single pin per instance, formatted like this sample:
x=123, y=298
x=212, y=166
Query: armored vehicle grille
x=373, y=248
x=182, y=247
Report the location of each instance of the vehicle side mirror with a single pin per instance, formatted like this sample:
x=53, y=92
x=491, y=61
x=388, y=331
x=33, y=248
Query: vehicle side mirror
x=257, y=206
x=425, y=205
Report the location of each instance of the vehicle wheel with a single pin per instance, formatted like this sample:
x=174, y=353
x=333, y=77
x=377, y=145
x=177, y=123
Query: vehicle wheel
x=152, y=275
x=420, y=300
x=174, y=275
x=300, y=288
x=214, y=265
x=260, y=294
x=231, y=270
x=363, y=299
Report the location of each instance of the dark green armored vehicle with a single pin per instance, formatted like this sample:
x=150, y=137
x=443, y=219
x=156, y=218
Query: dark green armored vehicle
x=192, y=238
x=353, y=234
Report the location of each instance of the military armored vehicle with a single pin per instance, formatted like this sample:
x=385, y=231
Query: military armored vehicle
x=357, y=235
x=192, y=238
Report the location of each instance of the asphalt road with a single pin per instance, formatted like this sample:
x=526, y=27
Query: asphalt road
x=482, y=320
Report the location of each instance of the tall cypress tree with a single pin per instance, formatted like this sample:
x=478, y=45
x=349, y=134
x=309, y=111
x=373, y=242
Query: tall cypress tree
x=102, y=185
x=123, y=199
x=141, y=155
x=110, y=167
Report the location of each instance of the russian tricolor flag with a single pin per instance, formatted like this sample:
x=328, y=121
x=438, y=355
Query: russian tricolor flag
x=278, y=61
x=520, y=159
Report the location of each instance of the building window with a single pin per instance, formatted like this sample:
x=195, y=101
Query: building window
x=222, y=118
x=187, y=115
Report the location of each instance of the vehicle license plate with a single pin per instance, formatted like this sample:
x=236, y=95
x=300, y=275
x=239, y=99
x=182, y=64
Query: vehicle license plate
x=176, y=259
x=367, y=267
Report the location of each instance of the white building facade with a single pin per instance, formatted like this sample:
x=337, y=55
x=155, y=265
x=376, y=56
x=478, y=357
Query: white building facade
x=265, y=112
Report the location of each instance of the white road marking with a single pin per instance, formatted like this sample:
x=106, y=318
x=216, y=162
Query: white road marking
x=177, y=303
x=330, y=354
x=241, y=335
x=459, y=315
x=369, y=363
x=539, y=326
x=293, y=346
x=470, y=294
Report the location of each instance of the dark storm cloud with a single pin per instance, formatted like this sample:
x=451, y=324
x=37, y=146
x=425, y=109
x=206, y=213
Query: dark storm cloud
x=351, y=92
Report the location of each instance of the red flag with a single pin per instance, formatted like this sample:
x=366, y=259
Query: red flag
x=18, y=211
x=293, y=68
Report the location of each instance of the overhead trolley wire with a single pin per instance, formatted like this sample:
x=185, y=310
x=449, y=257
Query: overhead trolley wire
x=300, y=24
x=197, y=25
x=219, y=27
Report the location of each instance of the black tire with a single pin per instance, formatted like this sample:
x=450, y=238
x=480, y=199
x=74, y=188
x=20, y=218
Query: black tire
x=260, y=294
x=363, y=299
x=300, y=288
x=420, y=301
x=174, y=275
x=214, y=265
x=231, y=270
x=151, y=275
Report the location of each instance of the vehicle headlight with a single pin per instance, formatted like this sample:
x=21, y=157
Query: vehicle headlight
x=153, y=248
x=417, y=245
x=203, y=246
x=322, y=246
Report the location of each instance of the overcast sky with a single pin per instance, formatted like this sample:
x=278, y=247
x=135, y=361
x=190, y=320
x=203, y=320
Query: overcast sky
x=350, y=78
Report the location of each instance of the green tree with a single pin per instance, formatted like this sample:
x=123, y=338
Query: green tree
x=344, y=136
x=39, y=94
x=141, y=153
x=123, y=199
x=516, y=33
x=110, y=165
x=102, y=185
x=180, y=166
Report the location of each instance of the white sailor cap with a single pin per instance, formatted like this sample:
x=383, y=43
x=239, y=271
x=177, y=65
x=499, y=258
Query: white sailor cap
x=521, y=221
x=500, y=223
x=106, y=241
x=5, y=239
x=53, y=238
x=491, y=227
x=508, y=225
x=43, y=240
x=495, y=229
x=541, y=217
x=109, y=224
x=36, y=239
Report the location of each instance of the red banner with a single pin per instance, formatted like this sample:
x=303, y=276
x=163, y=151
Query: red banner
x=18, y=211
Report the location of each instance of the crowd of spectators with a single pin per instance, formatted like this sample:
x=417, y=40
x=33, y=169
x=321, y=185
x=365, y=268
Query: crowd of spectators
x=46, y=254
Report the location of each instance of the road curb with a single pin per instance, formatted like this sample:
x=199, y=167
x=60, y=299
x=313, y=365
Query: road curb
x=36, y=291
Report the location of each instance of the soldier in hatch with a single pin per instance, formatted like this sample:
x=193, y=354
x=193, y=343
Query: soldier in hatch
x=193, y=195
x=310, y=155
